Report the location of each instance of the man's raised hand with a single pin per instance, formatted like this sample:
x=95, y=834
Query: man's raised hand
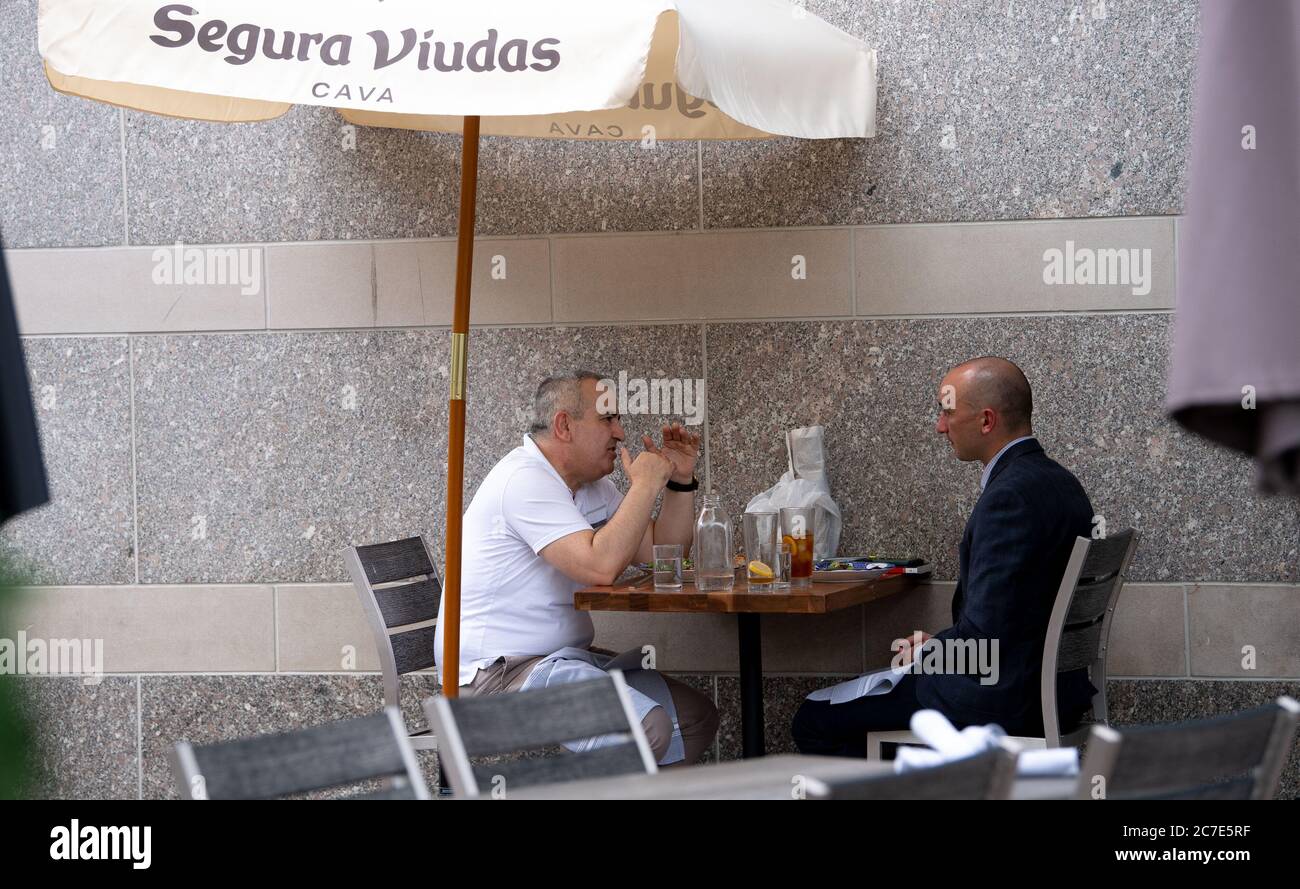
x=649, y=468
x=679, y=446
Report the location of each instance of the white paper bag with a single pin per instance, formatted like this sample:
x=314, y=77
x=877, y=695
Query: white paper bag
x=805, y=484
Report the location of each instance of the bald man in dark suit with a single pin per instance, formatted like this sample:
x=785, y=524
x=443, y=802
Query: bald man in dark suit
x=1012, y=556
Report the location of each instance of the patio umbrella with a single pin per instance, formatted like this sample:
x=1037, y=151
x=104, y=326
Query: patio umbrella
x=1234, y=370
x=571, y=69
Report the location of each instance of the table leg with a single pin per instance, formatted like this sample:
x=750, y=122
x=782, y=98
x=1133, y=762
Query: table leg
x=751, y=686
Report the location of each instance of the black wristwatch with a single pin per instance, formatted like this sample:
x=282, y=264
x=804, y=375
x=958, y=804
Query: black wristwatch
x=677, y=486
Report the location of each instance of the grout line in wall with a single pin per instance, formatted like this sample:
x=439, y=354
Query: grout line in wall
x=1244, y=679
x=165, y=674
x=611, y=322
x=708, y=453
x=275, y=623
x=139, y=740
x=135, y=495
x=36, y=588
x=699, y=178
x=853, y=274
x=1187, y=631
x=374, y=288
x=266, y=292
x=1174, y=276
x=126, y=219
x=451, y=239
x=550, y=267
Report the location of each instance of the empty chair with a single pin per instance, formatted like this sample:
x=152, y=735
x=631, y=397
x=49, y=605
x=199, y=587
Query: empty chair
x=988, y=775
x=1078, y=634
x=337, y=754
x=398, y=586
x=519, y=722
x=1227, y=757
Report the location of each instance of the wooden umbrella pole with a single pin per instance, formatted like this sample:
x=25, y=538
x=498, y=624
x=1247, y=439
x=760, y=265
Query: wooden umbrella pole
x=450, y=617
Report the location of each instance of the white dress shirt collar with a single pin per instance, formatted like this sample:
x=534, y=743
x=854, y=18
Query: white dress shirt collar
x=988, y=467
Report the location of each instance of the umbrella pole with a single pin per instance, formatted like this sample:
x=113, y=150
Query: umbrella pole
x=450, y=617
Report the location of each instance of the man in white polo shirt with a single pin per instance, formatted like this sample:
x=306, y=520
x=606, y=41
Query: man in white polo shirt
x=547, y=521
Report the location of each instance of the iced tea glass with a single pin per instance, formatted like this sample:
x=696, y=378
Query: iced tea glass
x=797, y=531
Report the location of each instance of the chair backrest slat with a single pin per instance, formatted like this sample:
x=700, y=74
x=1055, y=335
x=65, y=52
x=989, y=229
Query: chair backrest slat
x=1207, y=758
x=414, y=649
x=1236, y=788
x=1078, y=647
x=1155, y=757
x=335, y=754
x=989, y=775
x=396, y=560
x=598, y=713
x=603, y=762
x=1091, y=600
x=1106, y=556
x=540, y=718
x=410, y=603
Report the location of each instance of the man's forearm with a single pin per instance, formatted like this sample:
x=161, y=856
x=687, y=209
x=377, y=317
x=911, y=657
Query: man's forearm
x=616, y=543
x=676, y=522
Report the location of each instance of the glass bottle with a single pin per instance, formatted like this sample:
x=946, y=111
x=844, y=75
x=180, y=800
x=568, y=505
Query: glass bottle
x=713, y=552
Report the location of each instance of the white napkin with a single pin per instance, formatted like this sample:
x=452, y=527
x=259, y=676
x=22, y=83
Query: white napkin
x=946, y=744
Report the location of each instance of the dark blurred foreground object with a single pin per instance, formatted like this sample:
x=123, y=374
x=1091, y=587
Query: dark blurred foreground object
x=22, y=473
x=22, y=487
x=1234, y=372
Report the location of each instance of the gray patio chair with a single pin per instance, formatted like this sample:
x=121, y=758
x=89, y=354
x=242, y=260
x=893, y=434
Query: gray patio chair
x=523, y=721
x=1227, y=757
x=398, y=586
x=988, y=775
x=336, y=754
x=1078, y=635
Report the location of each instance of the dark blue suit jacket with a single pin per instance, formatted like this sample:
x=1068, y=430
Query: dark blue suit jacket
x=1013, y=553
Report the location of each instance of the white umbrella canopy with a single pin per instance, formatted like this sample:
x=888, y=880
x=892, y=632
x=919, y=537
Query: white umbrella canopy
x=526, y=68
x=570, y=69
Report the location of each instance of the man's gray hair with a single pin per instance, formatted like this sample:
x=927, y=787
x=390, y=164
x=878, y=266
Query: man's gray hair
x=559, y=393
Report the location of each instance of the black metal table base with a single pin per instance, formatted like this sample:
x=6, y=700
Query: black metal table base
x=751, y=686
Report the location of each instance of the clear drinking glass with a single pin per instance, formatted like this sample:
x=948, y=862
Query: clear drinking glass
x=762, y=534
x=797, y=530
x=668, y=566
x=713, y=551
x=781, y=567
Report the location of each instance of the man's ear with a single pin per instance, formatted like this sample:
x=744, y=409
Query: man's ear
x=560, y=428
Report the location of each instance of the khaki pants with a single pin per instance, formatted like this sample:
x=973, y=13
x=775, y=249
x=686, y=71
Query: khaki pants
x=696, y=715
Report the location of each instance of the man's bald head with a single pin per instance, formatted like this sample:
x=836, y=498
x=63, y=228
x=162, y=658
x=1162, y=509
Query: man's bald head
x=984, y=403
x=997, y=383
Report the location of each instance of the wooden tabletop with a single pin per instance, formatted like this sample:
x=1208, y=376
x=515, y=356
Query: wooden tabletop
x=768, y=777
x=818, y=598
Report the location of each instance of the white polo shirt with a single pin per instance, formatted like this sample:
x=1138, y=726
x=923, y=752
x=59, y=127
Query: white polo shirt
x=513, y=602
